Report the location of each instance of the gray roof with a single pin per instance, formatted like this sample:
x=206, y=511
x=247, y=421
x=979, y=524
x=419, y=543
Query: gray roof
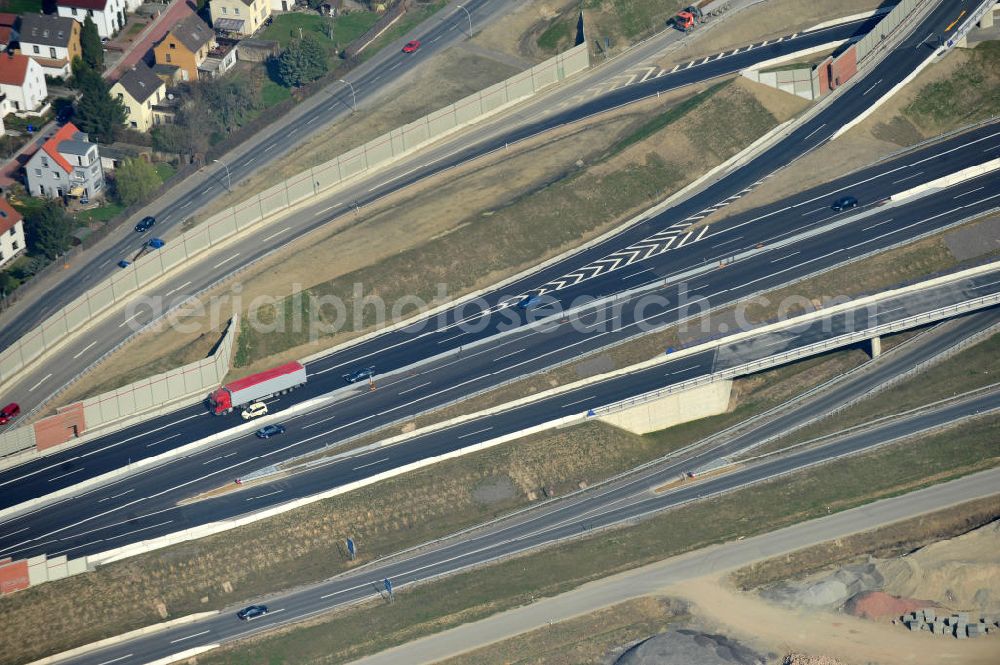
x=140, y=82
x=73, y=147
x=192, y=32
x=46, y=30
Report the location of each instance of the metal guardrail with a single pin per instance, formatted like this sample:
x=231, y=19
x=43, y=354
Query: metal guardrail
x=808, y=350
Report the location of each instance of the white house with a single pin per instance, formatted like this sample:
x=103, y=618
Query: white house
x=108, y=15
x=22, y=83
x=11, y=232
x=52, y=41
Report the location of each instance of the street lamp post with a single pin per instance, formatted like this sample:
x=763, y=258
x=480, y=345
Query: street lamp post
x=469, y=15
x=354, y=99
x=229, y=180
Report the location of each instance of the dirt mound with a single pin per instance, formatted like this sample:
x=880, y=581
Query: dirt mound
x=878, y=605
x=828, y=590
x=802, y=659
x=690, y=647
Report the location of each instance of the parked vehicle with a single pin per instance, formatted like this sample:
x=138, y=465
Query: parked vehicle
x=256, y=387
x=255, y=410
x=9, y=412
x=688, y=19
x=251, y=612
x=124, y=263
x=845, y=203
x=411, y=46
x=267, y=431
x=360, y=374
x=145, y=224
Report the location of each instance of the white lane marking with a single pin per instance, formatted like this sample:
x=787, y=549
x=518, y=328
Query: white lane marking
x=636, y=274
x=172, y=291
x=122, y=535
x=76, y=547
x=410, y=390
x=261, y=496
x=108, y=498
x=66, y=474
x=577, y=402
x=214, y=459
x=814, y=131
x=186, y=204
x=277, y=233
x=126, y=321
x=478, y=431
x=44, y=378
x=320, y=212
x=269, y=148
x=312, y=120
x=971, y=191
x=8, y=535
x=188, y=637
x=84, y=350
x=293, y=131
x=813, y=212
x=434, y=40
x=871, y=87
x=378, y=461
x=224, y=261
x=907, y=177
x=249, y=161
x=318, y=422
x=507, y=355
x=209, y=188
x=868, y=228
x=115, y=660
x=787, y=256
x=720, y=244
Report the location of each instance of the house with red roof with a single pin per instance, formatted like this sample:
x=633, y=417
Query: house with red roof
x=8, y=30
x=67, y=165
x=11, y=232
x=107, y=15
x=22, y=82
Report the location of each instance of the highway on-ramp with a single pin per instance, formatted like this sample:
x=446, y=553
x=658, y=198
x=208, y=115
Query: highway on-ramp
x=587, y=510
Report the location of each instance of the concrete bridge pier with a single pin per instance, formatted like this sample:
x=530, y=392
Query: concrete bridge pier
x=876, y=349
x=707, y=400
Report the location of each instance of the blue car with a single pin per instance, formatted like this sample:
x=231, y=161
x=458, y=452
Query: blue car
x=252, y=612
x=267, y=431
x=124, y=264
x=360, y=374
x=155, y=243
x=528, y=302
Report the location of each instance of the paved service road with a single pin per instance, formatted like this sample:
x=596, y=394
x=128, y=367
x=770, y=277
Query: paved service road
x=143, y=505
x=45, y=377
x=709, y=561
x=590, y=509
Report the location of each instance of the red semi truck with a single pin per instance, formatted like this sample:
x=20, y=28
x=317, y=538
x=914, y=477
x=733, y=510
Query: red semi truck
x=276, y=381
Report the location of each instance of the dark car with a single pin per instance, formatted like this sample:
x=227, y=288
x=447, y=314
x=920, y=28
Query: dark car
x=9, y=412
x=528, y=302
x=155, y=243
x=252, y=612
x=267, y=431
x=124, y=263
x=411, y=46
x=145, y=224
x=360, y=374
x=845, y=203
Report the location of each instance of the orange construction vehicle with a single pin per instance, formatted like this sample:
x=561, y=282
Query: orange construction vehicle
x=686, y=20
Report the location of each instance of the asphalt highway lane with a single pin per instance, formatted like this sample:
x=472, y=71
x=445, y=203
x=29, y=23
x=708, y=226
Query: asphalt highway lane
x=44, y=378
x=143, y=505
x=584, y=511
x=513, y=354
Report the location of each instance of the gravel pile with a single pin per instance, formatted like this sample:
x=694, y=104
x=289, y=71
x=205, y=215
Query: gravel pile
x=690, y=647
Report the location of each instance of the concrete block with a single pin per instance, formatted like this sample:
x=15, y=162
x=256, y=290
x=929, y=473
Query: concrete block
x=673, y=409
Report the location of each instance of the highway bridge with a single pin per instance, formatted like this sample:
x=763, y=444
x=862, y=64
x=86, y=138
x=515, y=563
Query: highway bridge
x=143, y=505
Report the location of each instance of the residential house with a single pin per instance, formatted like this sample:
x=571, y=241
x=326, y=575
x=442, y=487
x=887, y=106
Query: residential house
x=139, y=89
x=239, y=18
x=8, y=30
x=53, y=41
x=68, y=164
x=186, y=46
x=107, y=15
x=11, y=232
x=22, y=83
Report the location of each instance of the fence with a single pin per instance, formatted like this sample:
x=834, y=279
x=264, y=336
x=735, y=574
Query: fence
x=891, y=21
x=133, y=400
x=257, y=209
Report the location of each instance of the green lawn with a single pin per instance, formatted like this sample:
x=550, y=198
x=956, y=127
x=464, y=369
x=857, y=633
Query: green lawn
x=103, y=213
x=346, y=29
x=164, y=170
x=272, y=93
x=21, y=6
x=135, y=28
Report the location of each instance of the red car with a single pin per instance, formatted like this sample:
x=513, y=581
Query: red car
x=411, y=46
x=9, y=412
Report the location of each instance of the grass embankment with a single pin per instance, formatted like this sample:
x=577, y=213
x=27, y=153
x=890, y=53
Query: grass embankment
x=624, y=22
x=972, y=368
x=466, y=597
x=970, y=94
x=660, y=157
x=304, y=545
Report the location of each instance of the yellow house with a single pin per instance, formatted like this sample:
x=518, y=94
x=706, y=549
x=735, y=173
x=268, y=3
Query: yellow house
x=187, y=45
x=239, y=18
x=140, y=90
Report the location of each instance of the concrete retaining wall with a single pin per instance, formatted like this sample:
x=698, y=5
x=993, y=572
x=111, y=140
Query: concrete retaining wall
x=881, y=31
x=948, y=180
x=380, y=152
x=673, y=409
x=798, y=82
